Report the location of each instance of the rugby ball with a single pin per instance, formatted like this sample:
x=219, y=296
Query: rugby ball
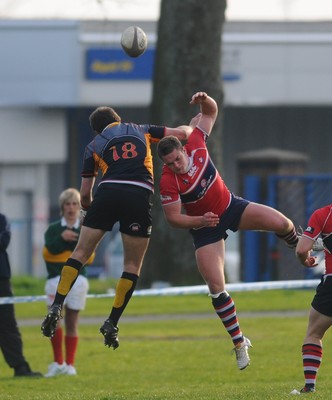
x=134, y=41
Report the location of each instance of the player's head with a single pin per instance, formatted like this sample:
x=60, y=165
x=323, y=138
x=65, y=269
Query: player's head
x=69, y=197
x=167, y=144
x=101, y=117
x=172, y=153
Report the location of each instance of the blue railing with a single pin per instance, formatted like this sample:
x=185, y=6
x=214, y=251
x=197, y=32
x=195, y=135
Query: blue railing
x=265, y=257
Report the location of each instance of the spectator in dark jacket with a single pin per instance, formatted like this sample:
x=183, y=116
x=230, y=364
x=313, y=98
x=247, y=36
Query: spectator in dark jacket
x=10, y=337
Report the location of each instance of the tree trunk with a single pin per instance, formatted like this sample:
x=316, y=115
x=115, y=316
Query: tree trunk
x=188, y=59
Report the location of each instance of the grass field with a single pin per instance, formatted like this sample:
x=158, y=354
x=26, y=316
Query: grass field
x=172, y=357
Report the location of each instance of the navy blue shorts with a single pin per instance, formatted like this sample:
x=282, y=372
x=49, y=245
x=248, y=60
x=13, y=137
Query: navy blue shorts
x=230, y=219
x=130, y=205
x=322, y=302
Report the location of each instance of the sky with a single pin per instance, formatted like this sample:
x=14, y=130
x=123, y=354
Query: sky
x=274, y=10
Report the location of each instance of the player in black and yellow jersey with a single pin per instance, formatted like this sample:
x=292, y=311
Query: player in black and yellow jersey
x=122, y=151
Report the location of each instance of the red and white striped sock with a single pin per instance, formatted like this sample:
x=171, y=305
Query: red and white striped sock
x=290, y=238
x=312, y=357
x=225, y=308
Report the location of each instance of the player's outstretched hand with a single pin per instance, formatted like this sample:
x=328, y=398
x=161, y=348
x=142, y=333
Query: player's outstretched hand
x=198, y=98
x=311, y=262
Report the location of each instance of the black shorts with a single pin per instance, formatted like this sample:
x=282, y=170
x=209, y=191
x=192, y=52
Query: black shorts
x=322, y=302
x=130, y=205
x=230, y=219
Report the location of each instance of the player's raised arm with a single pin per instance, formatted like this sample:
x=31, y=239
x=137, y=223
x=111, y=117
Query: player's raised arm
x=183, y=132
x=209, y=110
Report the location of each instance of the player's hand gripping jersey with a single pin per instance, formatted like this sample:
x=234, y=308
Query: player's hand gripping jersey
x=201, y=189
x=320, y=224
x=123, y=154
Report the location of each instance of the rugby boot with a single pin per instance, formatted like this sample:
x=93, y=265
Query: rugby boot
x=50, y=322
x=110, y=333
x=241, y=352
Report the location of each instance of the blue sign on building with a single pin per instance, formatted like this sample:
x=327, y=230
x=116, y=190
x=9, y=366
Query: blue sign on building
x=108, y=63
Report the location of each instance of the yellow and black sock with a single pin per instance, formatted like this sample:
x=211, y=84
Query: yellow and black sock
x=68, y=277
x=123, y=292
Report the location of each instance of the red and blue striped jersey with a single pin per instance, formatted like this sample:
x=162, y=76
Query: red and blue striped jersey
x=201, y=189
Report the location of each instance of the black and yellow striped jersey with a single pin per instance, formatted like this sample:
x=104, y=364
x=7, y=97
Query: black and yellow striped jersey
x=122, y=151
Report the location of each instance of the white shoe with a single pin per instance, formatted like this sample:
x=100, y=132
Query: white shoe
x=70, y=370
x=241, y=352
x=55, y=369
x=304, y=390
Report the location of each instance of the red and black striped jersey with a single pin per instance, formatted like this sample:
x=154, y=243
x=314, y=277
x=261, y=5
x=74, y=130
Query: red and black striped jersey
x=123, y=154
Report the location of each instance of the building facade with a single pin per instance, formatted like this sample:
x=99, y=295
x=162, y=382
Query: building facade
x=277, y=79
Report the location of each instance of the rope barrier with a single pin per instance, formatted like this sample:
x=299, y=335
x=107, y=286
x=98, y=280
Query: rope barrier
x=185, y=290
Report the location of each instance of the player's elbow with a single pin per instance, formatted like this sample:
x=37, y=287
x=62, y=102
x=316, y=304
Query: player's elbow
x=85, y=199
x=184, y=133
x=173, y=224
x=172, y=221
x=181, y=132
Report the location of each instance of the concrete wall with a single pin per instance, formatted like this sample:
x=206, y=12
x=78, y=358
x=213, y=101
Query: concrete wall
x=32, y=140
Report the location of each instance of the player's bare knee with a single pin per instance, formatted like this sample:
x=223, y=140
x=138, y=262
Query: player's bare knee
x=286, y=226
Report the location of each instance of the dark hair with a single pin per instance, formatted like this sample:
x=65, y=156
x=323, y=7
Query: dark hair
x=167, y=145
x=101, y=117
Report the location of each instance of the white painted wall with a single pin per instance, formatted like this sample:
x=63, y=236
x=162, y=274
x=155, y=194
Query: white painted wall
x=278, y=68
x=39, y=61
x=24, y=200
x=30, y=140
x=32, y=135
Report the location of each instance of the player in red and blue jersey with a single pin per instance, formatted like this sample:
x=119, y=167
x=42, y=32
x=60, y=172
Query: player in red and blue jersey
x=190, y=180
x=122, y=152
x=320, y=315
